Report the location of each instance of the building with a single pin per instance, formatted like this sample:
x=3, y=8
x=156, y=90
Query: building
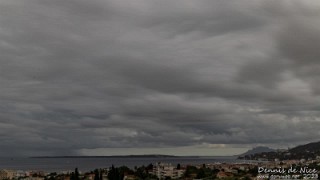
x=6, y=174
x=163, y=170
x=222, y=174
x=129, y=177
x=34, y=178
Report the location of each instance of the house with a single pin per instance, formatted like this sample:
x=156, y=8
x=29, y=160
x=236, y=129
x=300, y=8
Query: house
x=6, y=174
x=130, y=177
x=89, y=176
x=162, y=170
x=222, y=174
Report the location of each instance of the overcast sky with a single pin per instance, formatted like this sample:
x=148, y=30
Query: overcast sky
x=181, y=77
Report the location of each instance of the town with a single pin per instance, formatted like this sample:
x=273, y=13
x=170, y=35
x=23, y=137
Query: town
x=298, y=168
x=300, y=162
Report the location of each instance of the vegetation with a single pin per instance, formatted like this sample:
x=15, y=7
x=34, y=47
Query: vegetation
x=75, y=175
x=307, y=151
x=200, y=173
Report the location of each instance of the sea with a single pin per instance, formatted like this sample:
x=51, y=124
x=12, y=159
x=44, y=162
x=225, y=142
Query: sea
x=86, y=164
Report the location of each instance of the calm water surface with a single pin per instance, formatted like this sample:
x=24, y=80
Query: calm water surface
x=87, y=164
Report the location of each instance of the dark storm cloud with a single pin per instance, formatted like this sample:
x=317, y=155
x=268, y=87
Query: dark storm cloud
x=302, y=54
x=88, y=75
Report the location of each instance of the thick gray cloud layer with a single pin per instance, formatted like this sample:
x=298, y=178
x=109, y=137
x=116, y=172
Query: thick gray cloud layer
x=86, y=77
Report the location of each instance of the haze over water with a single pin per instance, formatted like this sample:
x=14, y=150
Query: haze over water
x=87, y=164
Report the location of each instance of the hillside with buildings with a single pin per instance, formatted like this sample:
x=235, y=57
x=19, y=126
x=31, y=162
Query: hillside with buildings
x=259, y=149
x=307, y=151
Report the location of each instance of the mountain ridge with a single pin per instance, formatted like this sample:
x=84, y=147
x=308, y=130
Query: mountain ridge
x=258, y=149
x=306, y=151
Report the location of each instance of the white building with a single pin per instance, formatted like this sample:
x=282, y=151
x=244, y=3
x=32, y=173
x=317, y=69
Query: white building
x=6, y=174
x=162, y=170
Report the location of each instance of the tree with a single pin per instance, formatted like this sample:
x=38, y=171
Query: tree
x=76, y=174
x=204, y=166
x=96, y=174
x=124, y=170
x=190, y=170
x=114, y=174
x=100, y=175
x=201, y=173
x=141, y=172
x=150, y=167
x=254, y=171
x=178, y=166
x=72, y=176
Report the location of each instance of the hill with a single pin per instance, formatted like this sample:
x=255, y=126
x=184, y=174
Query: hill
x=307, y=151
x=313, y=147
x=256, y=150
x=118, y=156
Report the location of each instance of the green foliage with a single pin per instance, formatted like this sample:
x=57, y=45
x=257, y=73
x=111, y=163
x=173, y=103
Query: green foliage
x=178, y=166
x=253, y=171
x=246, y=178
x=72, y=176
x=114, y=174
x=150, y=167
x=97, y=174
x=141, y=172
x=100, y=175
x=190, y=170
x=75, y=175
x=51, y=176
x=125, y=170
x=199, y=173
